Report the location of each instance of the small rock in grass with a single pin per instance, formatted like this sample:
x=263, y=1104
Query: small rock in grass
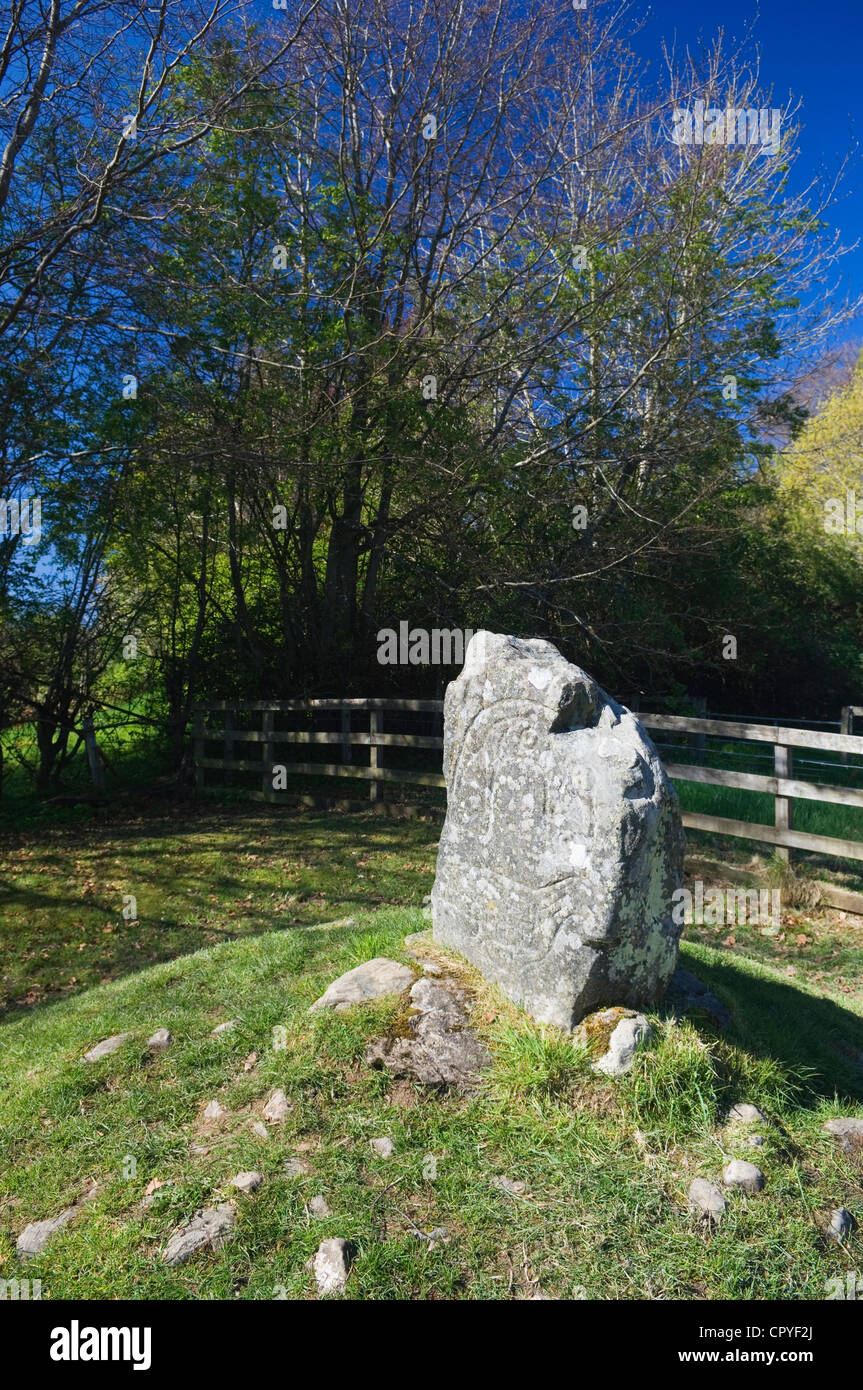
x=207, y=1229
x=247, y=1181
x=35, y=1237
x=510, y=1186
x=214, y=1111
x=745, y=1114
x=106, y=1047
x=706, y=1198
x=739, y=1173
x=371, y=980
x=276, y=1107
x=331, y=1265
x=160, y=1041
x=848, y=1129
x=221, y=1028
x=318, y=1207
x=620, y=1032
x=432, y=969
x=250, y=1062
x=418, y=938
x=260, y=1129
x=842, y=1223
x=755, y=1141
x=297, y=1168
x=384, y=1148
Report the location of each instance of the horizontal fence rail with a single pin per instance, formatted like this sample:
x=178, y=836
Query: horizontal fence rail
x=272, y=742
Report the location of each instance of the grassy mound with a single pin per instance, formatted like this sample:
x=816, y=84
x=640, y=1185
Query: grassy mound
x=605, y=1164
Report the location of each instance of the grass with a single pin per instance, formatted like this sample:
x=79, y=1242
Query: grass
x=197, y=876
x=249, y=916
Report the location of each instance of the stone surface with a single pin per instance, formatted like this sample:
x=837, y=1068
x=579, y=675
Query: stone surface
x=384, y=1148
x=259, y=1128
x=562, y=844
x=443, y=1049
x=206, y=1230
x=276, y=1107
x=745, y=1114
x=612, y=1037
x=688, y=995
x=739, y=1173
x=849, y=1131
x=841, y=1224
x=35, y=1237
x=706, y=1199
x=214, y=1111
x=297, y=1168
x=319, y=1207
x=160, y=1041
x=331, y=1265
x=247, y=1181
x=106, y=1047
x=371, y=980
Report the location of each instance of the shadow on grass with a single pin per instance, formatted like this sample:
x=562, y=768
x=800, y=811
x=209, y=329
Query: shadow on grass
x=200, y=874
x=801, y=1031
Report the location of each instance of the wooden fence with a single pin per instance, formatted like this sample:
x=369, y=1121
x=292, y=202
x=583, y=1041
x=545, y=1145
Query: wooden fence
x=375, y=713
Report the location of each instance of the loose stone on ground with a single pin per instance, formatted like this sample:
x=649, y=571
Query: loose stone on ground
x=739, y=1173
x=706, y=1199
x=372, y=980
x=247, y=1181
x=612, y=1037
x=106, y=1047
x=206, y=1230
x=276, y=1107
x=849, y=1131
x=331, y=1265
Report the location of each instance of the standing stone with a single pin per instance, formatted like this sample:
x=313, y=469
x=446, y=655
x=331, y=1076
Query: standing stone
x=562, y=844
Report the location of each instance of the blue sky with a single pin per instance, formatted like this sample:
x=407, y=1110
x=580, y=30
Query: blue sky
x=811, y=49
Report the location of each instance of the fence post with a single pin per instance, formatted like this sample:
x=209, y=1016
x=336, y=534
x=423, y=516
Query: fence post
x=267, y=747
x=374, y=728
x=347, y=746
x=846, y=726
x=198, y=744
x=783, y=809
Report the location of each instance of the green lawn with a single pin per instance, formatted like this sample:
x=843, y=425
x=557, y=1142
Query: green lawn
x=249, y=915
